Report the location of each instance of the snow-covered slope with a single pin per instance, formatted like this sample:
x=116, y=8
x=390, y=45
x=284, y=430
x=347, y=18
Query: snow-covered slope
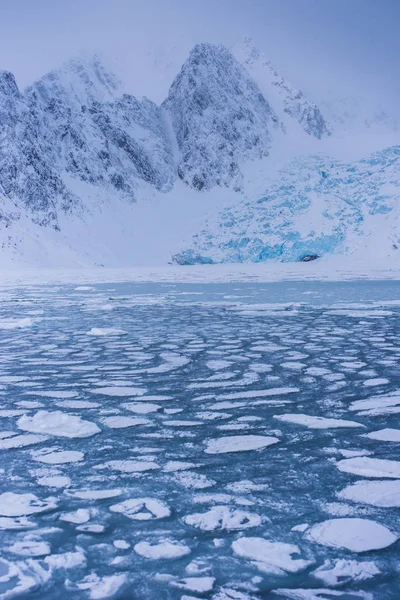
x=287, y=100
x=316, y=206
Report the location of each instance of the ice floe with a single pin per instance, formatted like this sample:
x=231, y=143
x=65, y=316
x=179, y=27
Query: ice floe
x=164, y=549
x=355, y=534
x=370, y=467
x=58, y=423
x=385, y=494
x=142, y=509
x=385, y=435
x=123, y=422
x=275, y=558
x=18, y=505
x=58, y=457
x=239, y=443
x=340, y=572
x=316, y=422
x=223, y=518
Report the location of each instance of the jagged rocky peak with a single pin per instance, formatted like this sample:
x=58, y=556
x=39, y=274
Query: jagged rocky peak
x=287, y=100
x=220, y=118
x=80, y=81
x=10, y=97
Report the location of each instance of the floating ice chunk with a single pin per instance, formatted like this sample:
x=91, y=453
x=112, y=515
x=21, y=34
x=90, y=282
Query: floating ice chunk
x=58, y=423
x=121, y=545
x=176, y=465
x=19, y=441
x=84, y=288
x=95, y=494
x=353, y=453
x=302, y=527
x=183, y=423
x=16, y=323
x=316, y=422
x=60, y=394
x=357, y=535
x=321, y=594
x=340, y=572
x=164, y=549
x=30, y=548
x=59, y=457
x=385, y=435
x=123, y=422
x=141, y=408
x=22, y=577
x=77, y=404
x=142, y=509
x=201, y=585
x=370, y=467
x=194, y=481
x=377, y=404
x=100, y=587
x=82, y=515
x=91, y=528
x=16, y=523
x=376, y=381
x=67, y=560
x=130, y=466
x=385, y=494
x=118, y=391
x=239, y=443
x=99, y=331
x=223, y=518
x=270, y=557
x=259, y=393
x=217, y=365
x=56, y=481
x=18, y=505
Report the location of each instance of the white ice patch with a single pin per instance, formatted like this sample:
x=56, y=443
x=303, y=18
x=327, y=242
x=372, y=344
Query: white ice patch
x=341, y=572
x=17, y=323
x=18, y=505
x=19, y=441
x=223, y=518
x=375, y=382
x=239, y=443
x=57, y=458
x=56, y=481
x=95, y=494
x=30, y=548
x=58, y=423
x=385, y=435
x=274, y=558
x=120, y=391
x=129, y=466
x=141, y=408
x=82, y=515
x=385, y=494
x=123, y=422
x=201, y=585
x=164, y=549
x=142, y=509
x=357, y=535
x=99, y=587
x=316, y=422
x=106, y=331
x=370, y=467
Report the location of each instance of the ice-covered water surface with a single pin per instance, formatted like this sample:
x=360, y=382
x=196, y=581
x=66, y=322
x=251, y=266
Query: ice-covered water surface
x=219, y=441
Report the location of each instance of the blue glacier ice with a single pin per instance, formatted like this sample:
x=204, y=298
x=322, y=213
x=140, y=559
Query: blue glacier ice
x=316, y=206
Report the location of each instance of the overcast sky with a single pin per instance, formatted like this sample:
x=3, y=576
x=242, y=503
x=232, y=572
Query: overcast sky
x=352, y=45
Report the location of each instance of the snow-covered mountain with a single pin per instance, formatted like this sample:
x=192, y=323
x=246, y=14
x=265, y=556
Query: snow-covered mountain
x=289, y=103
x=90, y=169
x=220, y=118
x=316, y=206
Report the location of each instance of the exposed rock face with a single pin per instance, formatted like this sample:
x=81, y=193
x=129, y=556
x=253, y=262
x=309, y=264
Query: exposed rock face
x=220, y=118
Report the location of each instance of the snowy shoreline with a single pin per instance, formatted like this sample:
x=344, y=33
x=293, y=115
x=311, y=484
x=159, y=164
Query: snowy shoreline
x=329, y=269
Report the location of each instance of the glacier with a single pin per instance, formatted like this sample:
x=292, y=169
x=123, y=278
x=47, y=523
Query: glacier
x=316, y=206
